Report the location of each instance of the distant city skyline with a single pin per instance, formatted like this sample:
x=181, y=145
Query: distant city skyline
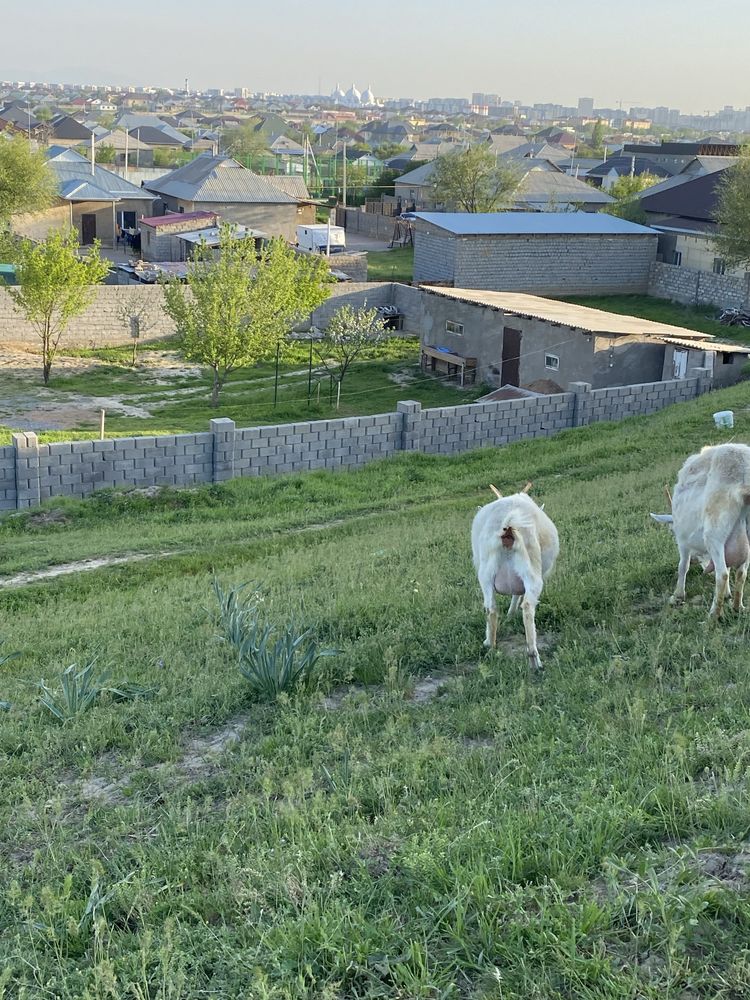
x=538, y=52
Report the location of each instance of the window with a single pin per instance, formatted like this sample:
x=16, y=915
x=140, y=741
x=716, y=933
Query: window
x=677, y=259
x=727, y=358
x=552, y=362
x=719, y=266
x=451, y=327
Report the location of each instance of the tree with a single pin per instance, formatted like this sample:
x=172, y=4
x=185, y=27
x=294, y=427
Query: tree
x=473, y=180
x=351, y=333
x=105, y=154
x=138, y=313
x=625, y=191
x=387, y=150
x=597, y=135
x=54, y=285
x=242, y=305
x=26, y=182
x=732, y=241
x=244, y=143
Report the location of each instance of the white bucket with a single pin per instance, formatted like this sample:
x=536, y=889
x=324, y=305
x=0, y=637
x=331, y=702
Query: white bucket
x=724, y=418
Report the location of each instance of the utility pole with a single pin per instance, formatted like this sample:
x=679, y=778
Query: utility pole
x=344, y=174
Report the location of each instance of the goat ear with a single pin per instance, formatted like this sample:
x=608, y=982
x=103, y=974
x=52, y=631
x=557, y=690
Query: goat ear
x=663, y=518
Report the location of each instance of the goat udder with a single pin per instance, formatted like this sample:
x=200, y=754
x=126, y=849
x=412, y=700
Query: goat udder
x=508, y=582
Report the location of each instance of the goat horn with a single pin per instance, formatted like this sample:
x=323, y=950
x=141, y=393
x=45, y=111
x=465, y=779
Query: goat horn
x=527, y=487
x=496, y=491
x=669, y=496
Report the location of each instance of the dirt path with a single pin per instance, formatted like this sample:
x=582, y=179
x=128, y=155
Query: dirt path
x=82, y=566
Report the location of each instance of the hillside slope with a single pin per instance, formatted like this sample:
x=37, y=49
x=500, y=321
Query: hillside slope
x=429, y=821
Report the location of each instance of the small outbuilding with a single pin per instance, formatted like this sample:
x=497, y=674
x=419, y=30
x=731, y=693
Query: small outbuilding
x=513, y=339
x=544, y=253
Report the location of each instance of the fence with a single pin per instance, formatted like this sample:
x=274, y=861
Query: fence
x=692, y=287
x=31, y=472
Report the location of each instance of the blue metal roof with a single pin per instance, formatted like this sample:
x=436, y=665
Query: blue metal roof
x=531, y=223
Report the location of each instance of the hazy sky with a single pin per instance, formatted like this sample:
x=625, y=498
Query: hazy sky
x=682, y=53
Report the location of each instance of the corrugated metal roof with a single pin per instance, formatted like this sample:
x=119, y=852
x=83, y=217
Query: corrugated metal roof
x=294, y=186
x=532, y=223
x=567, y=314
x=73, y=172
x=173, y=217
x=705, y=344
x=218, y=179
x=549, y=187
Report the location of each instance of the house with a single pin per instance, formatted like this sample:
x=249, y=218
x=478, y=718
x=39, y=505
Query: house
x=137, y=152
x=91, y=199
x=542, y=187
x=524, y=340
x=65, y=130
x=683, y=210
x=605, y=174
x=221, y=185
x=675, y=156
x=549, y=253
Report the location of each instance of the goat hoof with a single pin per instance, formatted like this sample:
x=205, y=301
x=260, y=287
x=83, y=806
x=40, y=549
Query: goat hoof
x=535, y=663
x=676, y=599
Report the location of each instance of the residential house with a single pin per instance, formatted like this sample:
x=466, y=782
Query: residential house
x=90, y=198
x=605, y=174
x=221, y=185
x=547, y=253
x=524, y=340
x=64, y=130
x=683, y=210
x=138, y=153
x=542, y=187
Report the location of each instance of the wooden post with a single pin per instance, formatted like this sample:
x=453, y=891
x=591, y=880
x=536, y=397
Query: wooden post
x=338, y=393
x=101, y=425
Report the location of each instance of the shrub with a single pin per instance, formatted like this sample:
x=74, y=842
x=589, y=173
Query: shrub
x=272, y=658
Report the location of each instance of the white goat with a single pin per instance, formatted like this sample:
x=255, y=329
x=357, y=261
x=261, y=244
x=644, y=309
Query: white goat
x=515, y=546
x=710, y=514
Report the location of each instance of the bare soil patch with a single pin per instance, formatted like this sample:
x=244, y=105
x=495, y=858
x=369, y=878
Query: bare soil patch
x=82, y=566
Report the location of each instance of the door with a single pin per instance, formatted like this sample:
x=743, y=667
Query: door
x=679, y=364
x=88, y=229
x=509, y=373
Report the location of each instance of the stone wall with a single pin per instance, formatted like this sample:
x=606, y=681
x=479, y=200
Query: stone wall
x=541, y=264
x=31, y=472
x=683, y=284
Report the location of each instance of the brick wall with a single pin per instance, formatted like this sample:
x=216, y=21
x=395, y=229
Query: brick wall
x=683, y=284
x=540, y=264
x=31, y=472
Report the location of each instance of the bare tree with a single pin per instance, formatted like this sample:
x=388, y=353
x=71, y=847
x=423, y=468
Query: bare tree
x=139, y=312
x=351, y=333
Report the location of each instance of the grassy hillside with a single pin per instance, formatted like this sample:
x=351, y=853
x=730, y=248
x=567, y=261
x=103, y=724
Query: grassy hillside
x=443, y=824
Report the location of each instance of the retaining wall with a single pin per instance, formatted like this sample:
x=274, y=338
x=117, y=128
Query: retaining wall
x=31, y=472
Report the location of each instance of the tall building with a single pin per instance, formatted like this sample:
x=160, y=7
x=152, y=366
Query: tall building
x=585, y=107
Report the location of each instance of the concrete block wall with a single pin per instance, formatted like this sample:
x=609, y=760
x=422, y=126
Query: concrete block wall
x=691, y=287
x=446, y=430
x=98, y=325
x=31, y=472
x=8, y=478
x=540, y=264
x=318, y=444
x=634, y=400
x=76, y=468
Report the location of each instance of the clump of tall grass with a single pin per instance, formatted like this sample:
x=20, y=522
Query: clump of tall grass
x=80, y=688
x=273, y=658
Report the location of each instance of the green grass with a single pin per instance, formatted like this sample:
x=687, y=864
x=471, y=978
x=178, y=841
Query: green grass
x=391, y=265
x=703, y=318
x=248, y=397
x=574, y=835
